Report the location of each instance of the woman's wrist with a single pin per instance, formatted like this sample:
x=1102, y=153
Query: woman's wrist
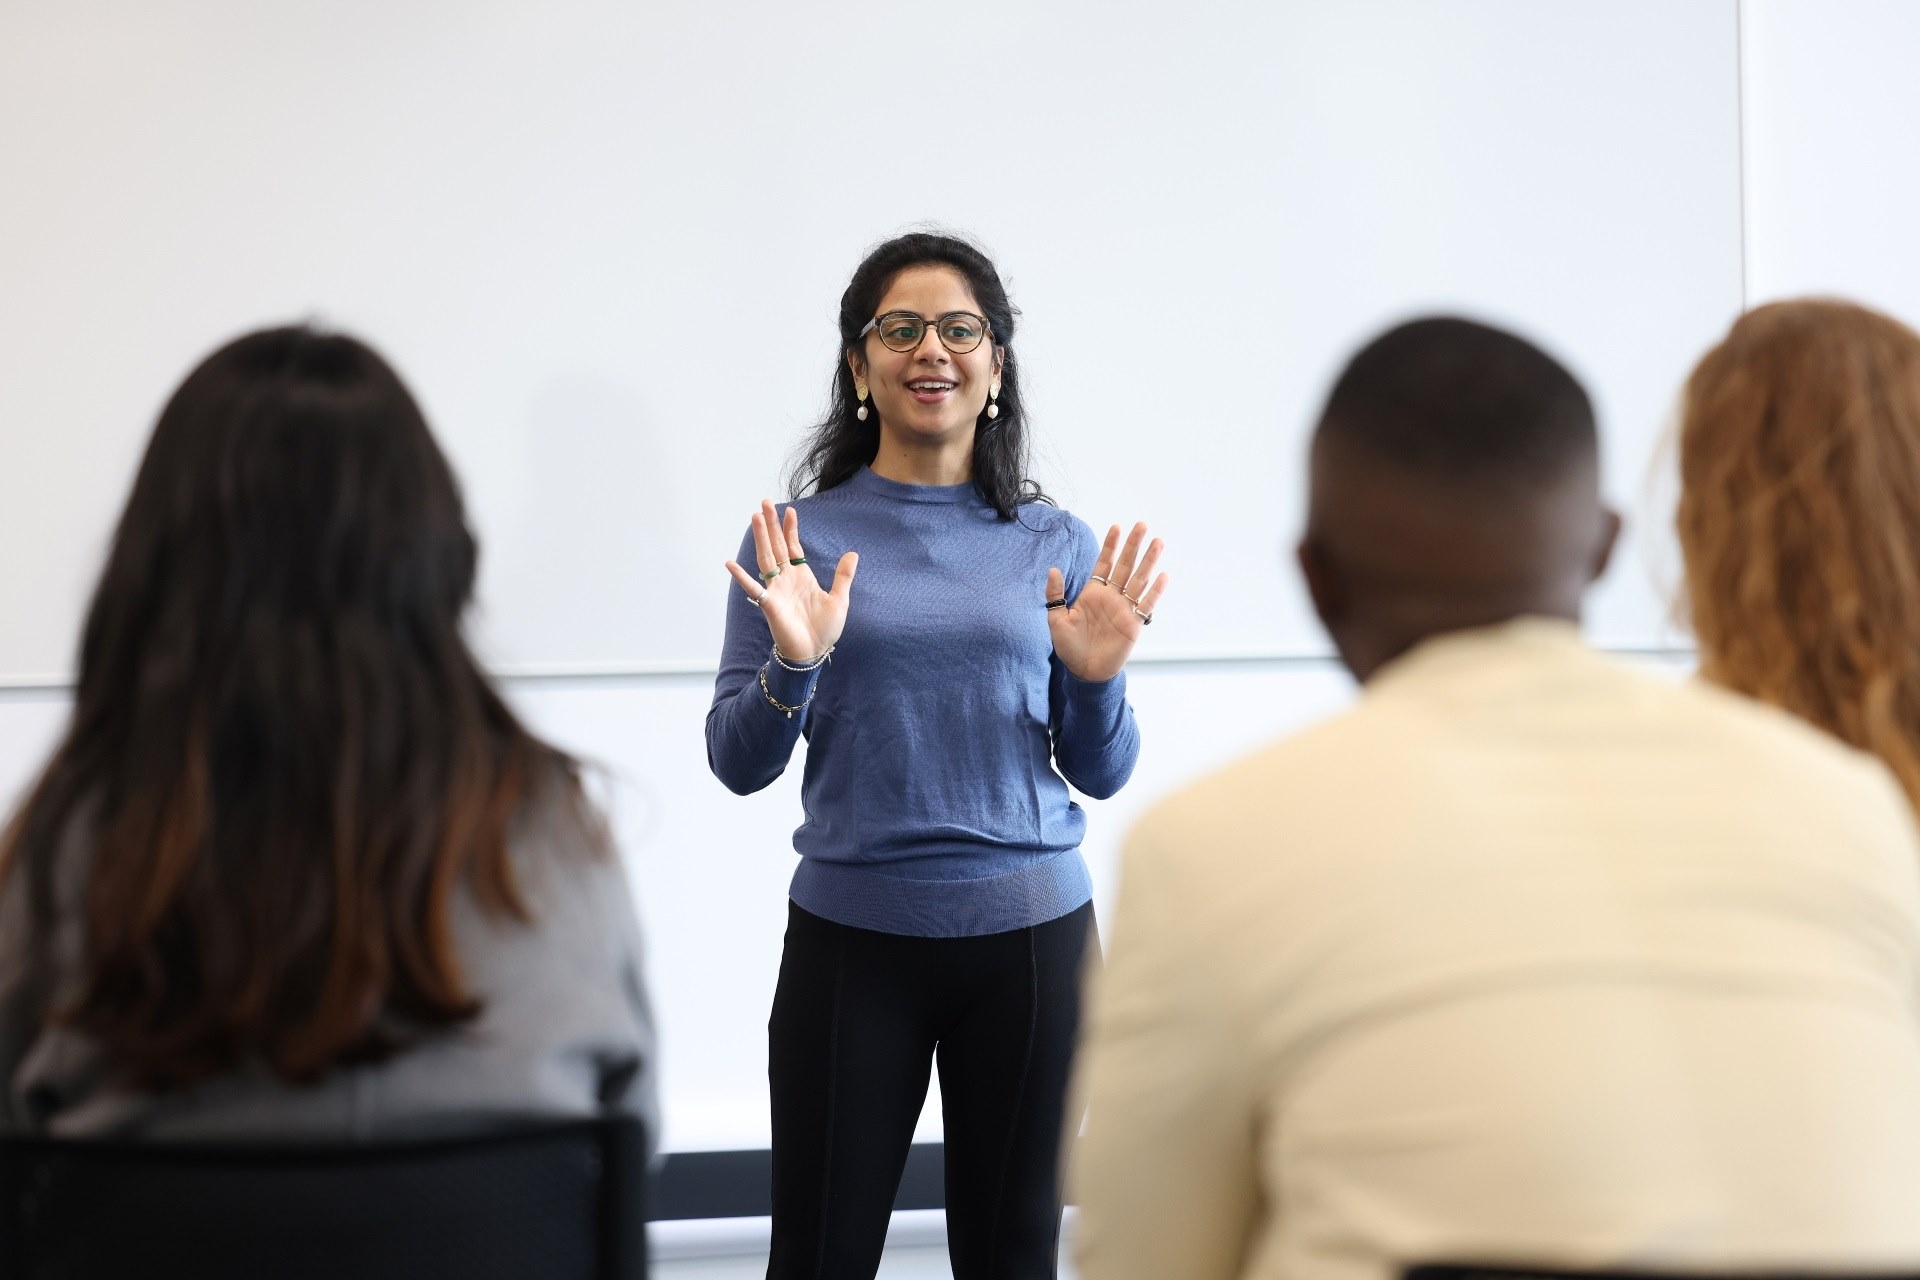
x=785, y=687
x=801, y=665
x=1096, y=681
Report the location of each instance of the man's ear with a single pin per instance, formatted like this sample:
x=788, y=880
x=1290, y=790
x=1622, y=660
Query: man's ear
x=1609, y=538
x=1324, y=583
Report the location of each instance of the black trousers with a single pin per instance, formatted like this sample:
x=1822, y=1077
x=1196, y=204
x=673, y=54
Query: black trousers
x=859, y=1019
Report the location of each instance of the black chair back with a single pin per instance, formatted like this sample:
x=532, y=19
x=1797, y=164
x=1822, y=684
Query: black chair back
x=561, y=1202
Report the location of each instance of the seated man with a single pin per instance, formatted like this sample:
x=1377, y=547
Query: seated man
x=1527, y=957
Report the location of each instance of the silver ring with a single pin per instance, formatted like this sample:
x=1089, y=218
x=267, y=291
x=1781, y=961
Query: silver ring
x=1097, y=578
x=755, y=600
x=1146, y=619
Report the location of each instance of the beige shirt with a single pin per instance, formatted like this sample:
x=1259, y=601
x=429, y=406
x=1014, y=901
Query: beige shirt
x=1527, y=957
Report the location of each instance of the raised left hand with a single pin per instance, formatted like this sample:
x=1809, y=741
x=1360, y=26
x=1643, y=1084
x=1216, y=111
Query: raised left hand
x=1096, y=635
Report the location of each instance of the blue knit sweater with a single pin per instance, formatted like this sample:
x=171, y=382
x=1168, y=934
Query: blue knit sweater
x=943, y=733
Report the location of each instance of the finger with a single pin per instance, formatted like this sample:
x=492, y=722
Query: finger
x=766, y=561
x=1103, y=567
x=748, y=583
x=1056, y=585
x=1152, y=598
x=1123, y=567
x=794, y=551
x=775, y=534
x=843, y=575
x=1138, y=580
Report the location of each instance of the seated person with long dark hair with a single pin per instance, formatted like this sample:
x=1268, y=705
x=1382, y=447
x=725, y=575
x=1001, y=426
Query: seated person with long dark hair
x=295, y=872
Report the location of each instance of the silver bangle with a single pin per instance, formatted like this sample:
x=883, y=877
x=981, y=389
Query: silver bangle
x=802, y=668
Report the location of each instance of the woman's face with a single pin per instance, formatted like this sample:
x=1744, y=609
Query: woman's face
x=927, y=395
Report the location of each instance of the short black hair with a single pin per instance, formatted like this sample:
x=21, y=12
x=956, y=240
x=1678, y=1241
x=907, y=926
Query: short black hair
x=1463, y=401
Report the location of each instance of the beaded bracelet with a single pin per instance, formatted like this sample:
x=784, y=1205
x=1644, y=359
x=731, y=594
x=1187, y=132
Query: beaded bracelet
x=774, y=702
x=802, y=668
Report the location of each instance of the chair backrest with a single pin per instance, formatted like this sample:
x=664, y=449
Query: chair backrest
x=1457, y=1271
x=562, y=1202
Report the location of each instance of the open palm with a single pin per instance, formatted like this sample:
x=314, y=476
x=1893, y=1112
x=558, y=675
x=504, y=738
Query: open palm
x=1096, y=635
x=804, y=619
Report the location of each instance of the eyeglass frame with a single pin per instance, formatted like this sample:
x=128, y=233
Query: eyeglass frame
x=933, y=323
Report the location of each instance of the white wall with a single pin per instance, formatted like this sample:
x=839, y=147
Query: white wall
x=549, y=215
x=1832, y=128
x=710, y=869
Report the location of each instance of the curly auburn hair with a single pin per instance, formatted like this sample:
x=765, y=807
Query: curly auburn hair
x=1799, y=520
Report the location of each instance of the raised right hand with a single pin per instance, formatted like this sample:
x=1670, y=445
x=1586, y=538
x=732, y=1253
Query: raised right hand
x=804, y=620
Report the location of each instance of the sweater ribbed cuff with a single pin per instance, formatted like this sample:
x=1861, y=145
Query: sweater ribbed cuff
x=1102, y=702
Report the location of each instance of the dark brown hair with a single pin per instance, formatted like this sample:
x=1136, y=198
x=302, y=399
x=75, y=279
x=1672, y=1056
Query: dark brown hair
x=1799, y=520
x=283, y=759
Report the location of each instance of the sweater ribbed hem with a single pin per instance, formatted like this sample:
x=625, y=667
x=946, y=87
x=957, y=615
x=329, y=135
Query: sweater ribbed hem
x=875, y=896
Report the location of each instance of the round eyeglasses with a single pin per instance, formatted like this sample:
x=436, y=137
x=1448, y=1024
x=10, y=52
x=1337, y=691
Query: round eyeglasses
x=959, y=331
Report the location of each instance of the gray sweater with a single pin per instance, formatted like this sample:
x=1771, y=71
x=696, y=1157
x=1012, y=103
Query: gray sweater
x=566, y=1031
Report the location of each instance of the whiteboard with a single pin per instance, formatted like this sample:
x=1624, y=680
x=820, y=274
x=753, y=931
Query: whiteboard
x=1832, y=191
x=552, y=215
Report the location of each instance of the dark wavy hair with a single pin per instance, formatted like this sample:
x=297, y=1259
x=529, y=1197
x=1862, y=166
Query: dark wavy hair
x=840, y=444
x=283, y=759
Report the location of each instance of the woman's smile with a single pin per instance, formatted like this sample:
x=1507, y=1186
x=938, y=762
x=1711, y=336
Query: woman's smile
x=931, y=390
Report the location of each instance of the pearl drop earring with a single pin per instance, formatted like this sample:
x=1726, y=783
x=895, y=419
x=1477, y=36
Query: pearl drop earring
x=993, y=407
x=861, y=412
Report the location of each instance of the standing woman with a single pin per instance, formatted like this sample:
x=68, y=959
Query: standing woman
x=941, y=908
